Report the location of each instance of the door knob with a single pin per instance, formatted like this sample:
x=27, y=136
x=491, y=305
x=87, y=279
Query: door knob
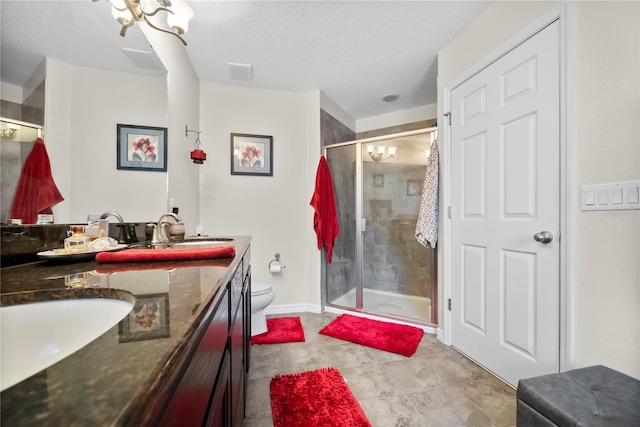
x=543, y=237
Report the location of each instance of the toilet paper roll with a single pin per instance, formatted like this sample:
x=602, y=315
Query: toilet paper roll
x=275, y=267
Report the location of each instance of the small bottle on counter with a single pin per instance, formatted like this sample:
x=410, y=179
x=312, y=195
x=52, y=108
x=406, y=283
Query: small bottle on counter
x=77, y=241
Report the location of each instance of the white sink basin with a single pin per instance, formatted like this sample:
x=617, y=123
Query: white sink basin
x=37, y=335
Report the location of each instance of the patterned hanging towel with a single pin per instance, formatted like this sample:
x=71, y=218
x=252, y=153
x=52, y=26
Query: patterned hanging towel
x=427, y=225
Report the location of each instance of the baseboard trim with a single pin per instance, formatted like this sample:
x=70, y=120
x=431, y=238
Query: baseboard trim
x=293, y=308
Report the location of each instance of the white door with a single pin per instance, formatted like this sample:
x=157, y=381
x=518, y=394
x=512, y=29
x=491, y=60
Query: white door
x=505, y=147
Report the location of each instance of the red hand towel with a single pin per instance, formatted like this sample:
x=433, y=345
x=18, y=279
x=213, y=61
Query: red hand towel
x=161, y=265
x=36, y=191
x=143, y=255
x=325, y=219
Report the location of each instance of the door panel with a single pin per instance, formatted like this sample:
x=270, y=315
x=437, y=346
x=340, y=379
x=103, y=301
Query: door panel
x=505, y=188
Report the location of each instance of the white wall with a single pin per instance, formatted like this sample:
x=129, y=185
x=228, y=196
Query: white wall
x=83, y=108
x=11, y=92
x=606, y=88
x=605, y=131
x=274, y=210
x=395, y=118
x=183, y=91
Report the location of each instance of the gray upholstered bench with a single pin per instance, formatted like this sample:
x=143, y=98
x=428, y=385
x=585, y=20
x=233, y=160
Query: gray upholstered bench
x=593, y=396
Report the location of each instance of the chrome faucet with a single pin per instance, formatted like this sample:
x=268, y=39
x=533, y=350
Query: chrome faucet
x=127, y=231
x=159, y=232
x=114, y=214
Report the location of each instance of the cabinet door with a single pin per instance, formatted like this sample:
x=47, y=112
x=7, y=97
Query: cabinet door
x=189, y=403
x=220, y=409
x=247, y=320
x=237, y=364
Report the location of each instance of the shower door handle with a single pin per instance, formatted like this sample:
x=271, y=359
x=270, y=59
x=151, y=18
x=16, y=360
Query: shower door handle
x=363, y=224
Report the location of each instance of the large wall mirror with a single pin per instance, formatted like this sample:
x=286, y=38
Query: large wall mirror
x=91, y=80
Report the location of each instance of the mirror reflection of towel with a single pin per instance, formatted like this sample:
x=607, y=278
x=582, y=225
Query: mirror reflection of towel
x=427, y=225
x=36, y=192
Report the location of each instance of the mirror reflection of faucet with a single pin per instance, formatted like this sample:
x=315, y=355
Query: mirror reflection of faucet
x=127, y=233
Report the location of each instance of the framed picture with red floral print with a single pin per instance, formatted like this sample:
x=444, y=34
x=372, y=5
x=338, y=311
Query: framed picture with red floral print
x=251, y=154
x=142, y=148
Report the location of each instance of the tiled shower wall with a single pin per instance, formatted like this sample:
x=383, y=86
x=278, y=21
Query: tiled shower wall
x=393, y=259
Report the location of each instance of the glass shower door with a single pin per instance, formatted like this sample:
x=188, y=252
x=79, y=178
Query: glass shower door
x=340, y=277
x=378, y=265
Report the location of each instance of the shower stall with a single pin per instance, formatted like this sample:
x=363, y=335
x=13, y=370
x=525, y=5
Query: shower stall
x=378, y=266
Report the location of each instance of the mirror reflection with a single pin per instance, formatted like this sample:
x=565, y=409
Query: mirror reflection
x=85, y=100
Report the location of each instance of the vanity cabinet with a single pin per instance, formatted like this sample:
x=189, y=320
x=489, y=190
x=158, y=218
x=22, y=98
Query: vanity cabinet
x=212, y=390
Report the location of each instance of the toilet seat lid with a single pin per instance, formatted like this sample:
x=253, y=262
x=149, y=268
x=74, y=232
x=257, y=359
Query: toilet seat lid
x=260, y=288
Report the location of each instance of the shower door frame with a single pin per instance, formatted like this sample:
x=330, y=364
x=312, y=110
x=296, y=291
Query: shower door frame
x=361, y=225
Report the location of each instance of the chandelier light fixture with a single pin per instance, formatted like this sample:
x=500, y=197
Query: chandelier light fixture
x=128, y=12
x=377, y=153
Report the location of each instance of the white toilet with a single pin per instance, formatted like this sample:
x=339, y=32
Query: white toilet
x=261, y=296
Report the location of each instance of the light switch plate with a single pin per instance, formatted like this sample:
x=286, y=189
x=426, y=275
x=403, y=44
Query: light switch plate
x=611, y=196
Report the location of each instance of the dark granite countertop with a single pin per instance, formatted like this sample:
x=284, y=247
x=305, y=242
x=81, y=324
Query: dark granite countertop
x=114, y=379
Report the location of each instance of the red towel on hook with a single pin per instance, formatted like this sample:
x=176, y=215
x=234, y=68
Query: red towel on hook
x=36, y=191
x=325, y=219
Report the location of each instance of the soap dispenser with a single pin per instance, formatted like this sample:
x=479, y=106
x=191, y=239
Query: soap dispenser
x=77, y=240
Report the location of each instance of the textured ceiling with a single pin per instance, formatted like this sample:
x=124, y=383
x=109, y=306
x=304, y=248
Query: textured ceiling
x=355, y=52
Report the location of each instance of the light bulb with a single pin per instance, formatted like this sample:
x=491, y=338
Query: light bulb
x=121, y=13
x=392, y=151
x=179, y=19
x=381, y=149
x=370, y=148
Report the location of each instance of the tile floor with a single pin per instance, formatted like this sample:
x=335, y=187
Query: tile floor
x=437, y=386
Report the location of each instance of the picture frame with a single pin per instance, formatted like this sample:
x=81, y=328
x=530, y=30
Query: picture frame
x=414, y=187
x=148, y=320
x=141, y=148
x=251, y=154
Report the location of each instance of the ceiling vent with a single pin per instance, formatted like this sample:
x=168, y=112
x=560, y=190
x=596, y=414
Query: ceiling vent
x=240, y=71
x=143, y=58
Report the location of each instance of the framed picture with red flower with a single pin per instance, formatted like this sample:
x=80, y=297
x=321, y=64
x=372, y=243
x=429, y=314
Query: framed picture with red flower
x=251, y=154
x=142, y=148
x=148, y=320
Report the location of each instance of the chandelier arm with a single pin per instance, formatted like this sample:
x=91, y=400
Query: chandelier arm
x=160, y=9
x=164, y=31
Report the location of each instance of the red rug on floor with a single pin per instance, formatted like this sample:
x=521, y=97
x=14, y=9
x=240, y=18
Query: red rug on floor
x=315, y=398
x=281, y=330
x=401, y=339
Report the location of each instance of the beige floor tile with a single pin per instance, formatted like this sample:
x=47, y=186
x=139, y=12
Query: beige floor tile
x=258, y=399
x=413, y=374
x=494, y=398
x=345, y=355
x=435, y=387
x=396, y=411
x=369, y=382
x=301, y=357
x=266, y=361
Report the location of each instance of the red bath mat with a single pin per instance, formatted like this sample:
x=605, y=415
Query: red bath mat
x=401, y=339
x=281, y=330
x=315, y=398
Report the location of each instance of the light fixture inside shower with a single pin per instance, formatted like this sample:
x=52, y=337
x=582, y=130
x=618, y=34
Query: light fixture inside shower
x=377, y=153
